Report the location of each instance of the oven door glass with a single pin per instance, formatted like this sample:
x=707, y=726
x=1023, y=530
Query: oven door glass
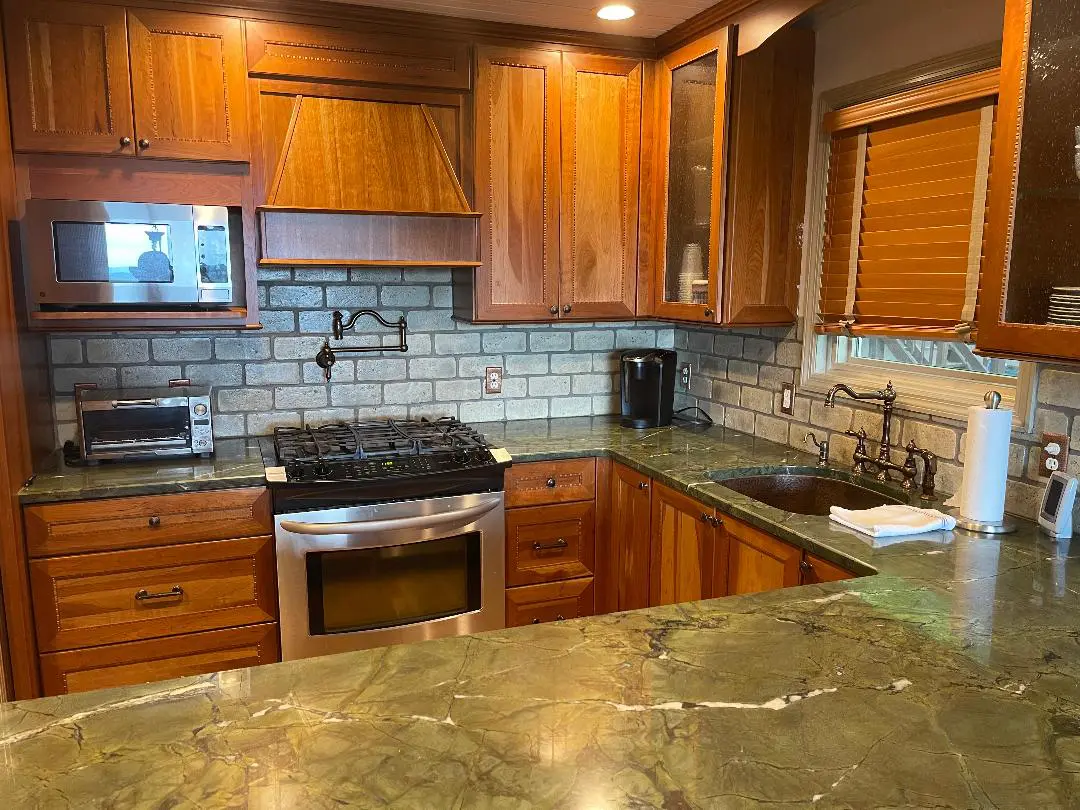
x=390, y=586
x=136, y=427
x=113, y=252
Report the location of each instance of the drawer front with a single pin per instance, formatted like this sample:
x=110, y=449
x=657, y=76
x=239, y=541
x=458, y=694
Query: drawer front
x=158, y=660
x=549, y=543
x=544, y=482
x=553, y=601
x=155, y=520
x=93, y=599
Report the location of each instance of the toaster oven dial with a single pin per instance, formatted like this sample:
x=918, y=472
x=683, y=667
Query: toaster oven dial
x=200, y=410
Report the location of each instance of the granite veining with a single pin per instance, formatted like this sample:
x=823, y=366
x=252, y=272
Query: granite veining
x=948, y=678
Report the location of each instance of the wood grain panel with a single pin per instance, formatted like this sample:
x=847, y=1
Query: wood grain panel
x=137, y=662
x=517, y=104
x=90, y=599
x=285, y=50
x=68, y=77
x=552, y=601
x=815, y=570
x=549, y=543
x=683, y=549
x=117, y=523
x=543, y=482
x=758, y=561
x=601, y=146
x=189, y=85
x=630, y=536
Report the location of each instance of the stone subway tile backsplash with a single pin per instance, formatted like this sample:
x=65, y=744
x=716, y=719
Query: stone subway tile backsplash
x=268, y=377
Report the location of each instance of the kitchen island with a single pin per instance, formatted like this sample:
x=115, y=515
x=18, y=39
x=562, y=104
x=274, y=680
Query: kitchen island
x=946, y=679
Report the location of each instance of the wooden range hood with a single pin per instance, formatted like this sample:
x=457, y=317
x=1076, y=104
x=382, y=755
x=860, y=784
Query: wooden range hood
x=362, y=182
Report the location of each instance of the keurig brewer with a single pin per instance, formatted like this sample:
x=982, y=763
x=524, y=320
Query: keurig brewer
x=648, y=387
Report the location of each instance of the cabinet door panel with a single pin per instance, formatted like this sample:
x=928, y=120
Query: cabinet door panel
x=758, y=561
x=601, y=140
x=628, y=549
x=68, y=77
x=816, y=570
x=683, y=548
x=549, y=543
x=517, y=183
x=188, y=80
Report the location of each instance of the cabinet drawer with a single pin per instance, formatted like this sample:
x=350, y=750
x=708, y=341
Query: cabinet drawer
x=94, y=599
x=544, y=482
x=534, y=604
x=154, y=520
x=158, y=660
x=549, y=543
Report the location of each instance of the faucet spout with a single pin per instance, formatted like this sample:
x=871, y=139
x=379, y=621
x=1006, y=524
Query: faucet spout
x=887, y=394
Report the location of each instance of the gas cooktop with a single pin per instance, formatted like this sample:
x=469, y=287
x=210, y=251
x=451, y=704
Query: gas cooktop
x=383, y=458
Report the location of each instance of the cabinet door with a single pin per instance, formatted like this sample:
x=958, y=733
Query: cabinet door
x=552, y=601
x=601, y=146
x=517, y=103
x=68, y=77
x=188, y=82
x=628, y=545
x=683, y=549
x=816, y=570
x=758, y=561
x=693, y=133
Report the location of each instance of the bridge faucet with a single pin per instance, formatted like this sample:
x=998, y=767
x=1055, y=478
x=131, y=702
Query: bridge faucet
x=887, y=397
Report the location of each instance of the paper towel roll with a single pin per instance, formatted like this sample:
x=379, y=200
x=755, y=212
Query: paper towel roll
x=986, y=464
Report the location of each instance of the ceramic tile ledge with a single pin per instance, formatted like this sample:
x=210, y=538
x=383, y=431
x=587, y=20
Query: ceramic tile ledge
x=951, y=678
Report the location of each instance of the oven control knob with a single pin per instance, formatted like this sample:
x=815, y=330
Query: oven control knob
x=200, y=410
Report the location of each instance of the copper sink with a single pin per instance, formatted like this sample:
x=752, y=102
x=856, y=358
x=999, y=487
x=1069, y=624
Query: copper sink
x=807, y=492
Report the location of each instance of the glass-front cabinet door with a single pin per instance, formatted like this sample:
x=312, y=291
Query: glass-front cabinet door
x=1031, y=290
x=694, y=84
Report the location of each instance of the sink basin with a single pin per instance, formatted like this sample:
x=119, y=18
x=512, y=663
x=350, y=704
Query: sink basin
x=807, y=491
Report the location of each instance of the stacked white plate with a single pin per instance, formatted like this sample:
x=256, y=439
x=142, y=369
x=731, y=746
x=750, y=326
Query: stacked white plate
x=1065, y=306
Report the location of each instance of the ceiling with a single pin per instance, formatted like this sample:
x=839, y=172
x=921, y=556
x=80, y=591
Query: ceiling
x=653, y=17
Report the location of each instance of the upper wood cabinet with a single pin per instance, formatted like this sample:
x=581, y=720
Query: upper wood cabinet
x=97, y=79
x=684, y=550
x=1031, y=242
x=557, y=159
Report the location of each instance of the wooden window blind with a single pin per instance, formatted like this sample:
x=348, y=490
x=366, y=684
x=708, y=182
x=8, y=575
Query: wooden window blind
x=905, y=211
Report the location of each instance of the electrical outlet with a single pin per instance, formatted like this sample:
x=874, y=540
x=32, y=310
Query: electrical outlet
x=493, y=376
x=787, y=399
x=686, y=371
x=1055, y=454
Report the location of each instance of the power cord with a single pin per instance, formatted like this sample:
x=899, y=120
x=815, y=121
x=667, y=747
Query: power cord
x=707, y=420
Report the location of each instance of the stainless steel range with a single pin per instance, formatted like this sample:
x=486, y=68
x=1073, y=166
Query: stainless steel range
x=387, y=532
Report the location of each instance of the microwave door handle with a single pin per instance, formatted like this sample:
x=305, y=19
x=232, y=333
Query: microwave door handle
x=392, y=524
x=134, y=403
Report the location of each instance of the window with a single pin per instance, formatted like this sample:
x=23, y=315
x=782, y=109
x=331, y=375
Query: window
x=903, y=189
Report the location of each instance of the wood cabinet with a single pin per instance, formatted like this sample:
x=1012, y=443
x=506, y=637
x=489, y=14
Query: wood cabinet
x=630, y=540
x=687, y=563
x=553, y=601
x=1030, y=244
x=815, y=570
x=557, y=165
x=542, y=482
x=758, y=561
x=99, y=79
x=549, y=543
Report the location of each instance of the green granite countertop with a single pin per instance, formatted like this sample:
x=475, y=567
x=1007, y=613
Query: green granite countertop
x=235, y=463
x=947, y=679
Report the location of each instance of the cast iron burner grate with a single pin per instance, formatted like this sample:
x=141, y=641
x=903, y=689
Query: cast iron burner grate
x=374, y=439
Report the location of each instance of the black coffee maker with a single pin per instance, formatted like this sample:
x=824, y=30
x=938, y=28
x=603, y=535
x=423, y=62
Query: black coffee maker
x=648, y=387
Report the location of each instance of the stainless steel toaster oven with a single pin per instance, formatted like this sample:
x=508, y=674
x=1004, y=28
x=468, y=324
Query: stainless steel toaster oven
x=143, y=423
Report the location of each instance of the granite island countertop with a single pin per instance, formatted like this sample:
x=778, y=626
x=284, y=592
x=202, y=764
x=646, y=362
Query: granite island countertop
x=947, y=679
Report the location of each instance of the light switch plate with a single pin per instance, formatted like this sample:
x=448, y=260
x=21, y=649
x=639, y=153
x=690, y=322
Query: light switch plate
x=787, y=398
x=493, y=377
x=1055, y=454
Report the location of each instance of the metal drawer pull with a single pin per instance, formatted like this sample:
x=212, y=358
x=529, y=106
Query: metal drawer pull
x=560, y=543
x=560, y=617
x=154, y=522
x=551, y=483
x=176, y=592
x=643, y=485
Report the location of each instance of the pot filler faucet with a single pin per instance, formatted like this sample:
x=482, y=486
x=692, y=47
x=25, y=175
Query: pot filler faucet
x=883, y=463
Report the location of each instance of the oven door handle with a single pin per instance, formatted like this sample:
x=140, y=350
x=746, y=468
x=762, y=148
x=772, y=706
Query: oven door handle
x=392, y=524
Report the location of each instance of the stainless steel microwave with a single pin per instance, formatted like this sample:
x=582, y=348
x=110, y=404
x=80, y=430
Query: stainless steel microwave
x=116, y=254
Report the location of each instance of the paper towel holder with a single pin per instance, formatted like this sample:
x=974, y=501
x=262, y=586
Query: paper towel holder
x=1004, y=526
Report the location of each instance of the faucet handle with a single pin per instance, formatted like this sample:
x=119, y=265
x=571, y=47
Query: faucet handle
x=822, y=448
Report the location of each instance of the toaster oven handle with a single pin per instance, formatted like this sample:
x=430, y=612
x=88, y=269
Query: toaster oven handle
x=133, y=403
x=392, y=524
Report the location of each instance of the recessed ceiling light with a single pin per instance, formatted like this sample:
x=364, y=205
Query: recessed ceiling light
x=615, y=11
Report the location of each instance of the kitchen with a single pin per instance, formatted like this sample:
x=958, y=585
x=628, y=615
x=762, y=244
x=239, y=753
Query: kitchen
x=499, y=214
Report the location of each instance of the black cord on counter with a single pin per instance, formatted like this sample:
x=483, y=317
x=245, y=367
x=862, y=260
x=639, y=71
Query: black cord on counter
x=706, y=421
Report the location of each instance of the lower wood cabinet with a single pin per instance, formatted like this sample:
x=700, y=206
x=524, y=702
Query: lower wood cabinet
x=552, y=601
x=815, y=570
x=687, y=563
x=629, y=547
x=758, y=561
x=158, y=659
x=547, y=543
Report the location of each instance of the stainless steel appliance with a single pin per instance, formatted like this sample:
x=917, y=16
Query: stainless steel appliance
x=387, y=532
x=79, y=254
x=143, y=423
x=648, y=387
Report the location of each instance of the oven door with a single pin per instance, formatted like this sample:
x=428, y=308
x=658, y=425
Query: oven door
x=367, y=576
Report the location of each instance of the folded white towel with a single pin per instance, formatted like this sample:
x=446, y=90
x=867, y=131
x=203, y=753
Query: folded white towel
x=893, y=521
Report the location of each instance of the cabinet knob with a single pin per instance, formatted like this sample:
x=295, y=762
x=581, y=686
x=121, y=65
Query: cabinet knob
x=704, y=517
x=125, y=141
x=551, y=483
x=536, y=621
x=154, y=522
x=144, y=143
x=709, y=313
x=554, y=309
x=805, y=566
x=643, y=485
x=560, y=617
x=566, y=308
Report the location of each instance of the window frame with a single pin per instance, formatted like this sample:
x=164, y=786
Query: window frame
x=921, y=389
